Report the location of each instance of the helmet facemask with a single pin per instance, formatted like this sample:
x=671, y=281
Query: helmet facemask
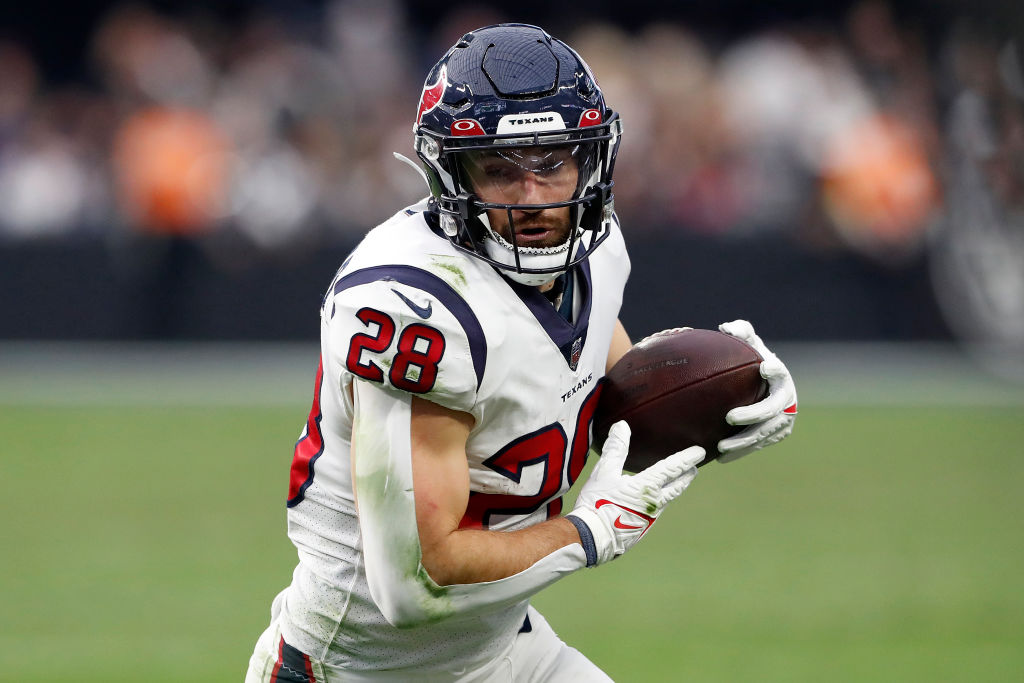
x=532, y=206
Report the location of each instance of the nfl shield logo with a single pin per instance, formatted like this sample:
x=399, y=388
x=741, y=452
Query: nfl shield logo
x=574, y=355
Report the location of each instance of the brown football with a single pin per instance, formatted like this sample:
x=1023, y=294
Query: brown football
x=674, y=390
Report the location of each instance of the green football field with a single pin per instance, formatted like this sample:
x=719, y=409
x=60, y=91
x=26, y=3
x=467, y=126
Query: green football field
x=144, y=539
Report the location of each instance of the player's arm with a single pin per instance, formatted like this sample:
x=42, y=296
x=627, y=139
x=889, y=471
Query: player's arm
x=441, y=484
x=400, y=571
x=620, y=344
x=374, y=342
x=481, y=570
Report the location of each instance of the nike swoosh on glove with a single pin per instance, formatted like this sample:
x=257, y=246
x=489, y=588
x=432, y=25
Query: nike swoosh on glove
x=615, y=510
x=770, y=420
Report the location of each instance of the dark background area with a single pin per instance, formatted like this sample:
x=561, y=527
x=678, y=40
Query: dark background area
x=171, y=290
x=111, y=282
x=58, y=32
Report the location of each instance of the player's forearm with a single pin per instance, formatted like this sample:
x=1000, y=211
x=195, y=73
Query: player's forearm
x=474, y=555
x=399, y=583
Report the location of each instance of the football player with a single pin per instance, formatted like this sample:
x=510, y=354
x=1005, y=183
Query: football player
x=462, y=347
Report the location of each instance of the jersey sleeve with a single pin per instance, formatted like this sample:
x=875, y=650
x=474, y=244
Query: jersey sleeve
x=408, y=332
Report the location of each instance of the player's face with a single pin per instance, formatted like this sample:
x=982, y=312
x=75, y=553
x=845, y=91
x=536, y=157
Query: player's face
x=526, y=175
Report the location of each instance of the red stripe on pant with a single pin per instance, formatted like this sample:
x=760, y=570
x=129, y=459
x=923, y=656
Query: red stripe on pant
x=296, y=665
x=280, y=661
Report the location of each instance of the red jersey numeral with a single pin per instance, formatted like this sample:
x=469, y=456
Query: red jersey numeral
x=414, y=366
x=375, y=343
x=423, y=363
x=545, y=447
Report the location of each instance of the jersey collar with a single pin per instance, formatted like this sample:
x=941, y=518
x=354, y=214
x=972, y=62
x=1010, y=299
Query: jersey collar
x=568, y=337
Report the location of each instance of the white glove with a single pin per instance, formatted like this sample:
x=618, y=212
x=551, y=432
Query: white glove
x=615, y=510
x=771, y=420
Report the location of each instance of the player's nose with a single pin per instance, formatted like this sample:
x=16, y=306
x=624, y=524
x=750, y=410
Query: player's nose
x=533, y=190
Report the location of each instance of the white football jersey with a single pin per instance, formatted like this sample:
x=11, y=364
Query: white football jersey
x=413, y=314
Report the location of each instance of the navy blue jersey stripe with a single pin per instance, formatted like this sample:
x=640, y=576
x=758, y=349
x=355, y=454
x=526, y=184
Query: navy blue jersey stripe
x=558, y=328
x=562, y=332
x=436, y=287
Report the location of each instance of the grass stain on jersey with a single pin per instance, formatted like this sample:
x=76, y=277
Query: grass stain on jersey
x=376, y=488
x=438, y=605
x=454, y=274
x=382, y=493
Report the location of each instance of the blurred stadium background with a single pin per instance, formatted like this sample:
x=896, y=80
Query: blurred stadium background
x=179, y=181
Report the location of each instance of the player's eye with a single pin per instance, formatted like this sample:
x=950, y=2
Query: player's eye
x=500, y=172
x=495, y=174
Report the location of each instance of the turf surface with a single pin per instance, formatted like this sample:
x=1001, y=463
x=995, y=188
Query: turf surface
x=145, y=544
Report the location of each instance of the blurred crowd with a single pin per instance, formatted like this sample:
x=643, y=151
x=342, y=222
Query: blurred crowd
x=277, y=129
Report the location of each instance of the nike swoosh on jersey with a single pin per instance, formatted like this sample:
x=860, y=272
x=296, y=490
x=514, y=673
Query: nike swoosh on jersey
x=421, y=311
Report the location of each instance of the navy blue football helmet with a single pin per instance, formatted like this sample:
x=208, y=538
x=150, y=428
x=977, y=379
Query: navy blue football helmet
x=514, y=95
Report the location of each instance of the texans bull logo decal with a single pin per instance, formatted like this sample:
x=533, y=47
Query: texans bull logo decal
x=432, y=94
